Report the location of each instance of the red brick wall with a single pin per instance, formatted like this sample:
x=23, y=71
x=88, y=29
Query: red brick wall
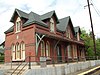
x=27, y=35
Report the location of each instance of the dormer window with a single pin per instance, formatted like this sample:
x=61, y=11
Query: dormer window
x=18, y=24
x=78, y=36
x=68, y=33
x=51, y=25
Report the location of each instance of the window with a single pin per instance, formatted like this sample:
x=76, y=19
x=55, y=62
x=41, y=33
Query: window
x=68, y=33
x=18, y=24
x=78, y=36
x=69, y=51
x=13, y=52
x=51, y=25
x=82, y=53
x=75, y=51
x=47, y=49
x=17, y=51
x=42, y=48
x=22, y=50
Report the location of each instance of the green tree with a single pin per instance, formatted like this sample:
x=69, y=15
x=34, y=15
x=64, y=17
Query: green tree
x=88, y=42
x=98, y=46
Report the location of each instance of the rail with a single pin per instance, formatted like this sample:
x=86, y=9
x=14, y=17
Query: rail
x=22, y=68
x=18, y=66
x=52, y=60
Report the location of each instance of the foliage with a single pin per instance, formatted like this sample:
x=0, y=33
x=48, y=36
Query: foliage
x=87, y=37
x=98, y=46
x=2, y=59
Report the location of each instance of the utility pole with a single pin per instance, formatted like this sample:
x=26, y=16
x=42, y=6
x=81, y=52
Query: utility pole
x=92, y=28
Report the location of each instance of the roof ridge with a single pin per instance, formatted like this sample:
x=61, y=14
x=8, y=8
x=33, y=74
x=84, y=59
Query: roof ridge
x=64, y=17
x=48, y=12
x=21, y=11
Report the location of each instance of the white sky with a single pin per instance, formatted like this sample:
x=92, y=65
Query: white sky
x=63, y=8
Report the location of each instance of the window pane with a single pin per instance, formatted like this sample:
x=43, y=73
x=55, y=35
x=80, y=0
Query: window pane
x=42, y=49
x=18, y=24
x=69, y=51
x=47, y=49
x=52, y=25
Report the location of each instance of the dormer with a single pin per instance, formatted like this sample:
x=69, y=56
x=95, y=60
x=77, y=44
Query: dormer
x=66, y=27
x=18, y=25
x=51, y=20
x=18, y=18
x=77, y=32
x=52, y=25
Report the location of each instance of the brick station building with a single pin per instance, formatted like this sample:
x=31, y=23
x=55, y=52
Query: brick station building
x=42, y=35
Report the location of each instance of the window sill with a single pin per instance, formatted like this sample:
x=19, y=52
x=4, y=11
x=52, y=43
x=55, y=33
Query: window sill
x=18, y=59
x=52, y=31
x=17, y=31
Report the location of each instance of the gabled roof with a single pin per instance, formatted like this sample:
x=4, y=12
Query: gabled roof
x=77, y=29
x=34, y=18
x=63, y=23
x=2, y=44
x=20, y=14
x=49, y=15
x=38, y=19
x=31, y=18
x=11, y=29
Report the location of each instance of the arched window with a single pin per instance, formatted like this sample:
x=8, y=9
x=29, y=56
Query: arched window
x=51, y=25
x=17, y=51
x=75, y=51
x=22, y=50
x=47, y=48
x=18, y=24
x=42, y=48
x=69, y=51
x=13, y=51
x=68, y=33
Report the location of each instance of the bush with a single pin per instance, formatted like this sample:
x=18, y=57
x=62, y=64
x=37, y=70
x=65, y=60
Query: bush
x=1, y=58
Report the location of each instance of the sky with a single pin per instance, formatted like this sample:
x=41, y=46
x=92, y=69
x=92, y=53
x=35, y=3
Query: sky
x=63, y=8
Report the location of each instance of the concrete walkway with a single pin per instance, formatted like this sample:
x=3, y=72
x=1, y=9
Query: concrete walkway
x=57, y=69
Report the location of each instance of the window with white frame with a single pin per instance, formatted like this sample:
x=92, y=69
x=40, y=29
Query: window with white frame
x=69, y=51
x=42, y=48
x=68, y=33
x=52, y=25
x=22, y=50
x=17, y=51
x=18, y=24
x=78, y=36
x=13, y=52
x=47, y=48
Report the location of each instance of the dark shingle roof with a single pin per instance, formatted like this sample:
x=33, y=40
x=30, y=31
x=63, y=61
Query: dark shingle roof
x=11, y=29
x=38, y=19
x=63, y=24
x=31, y=18
x=49, y=15
x=20, y=13
x=2, y=44
x=77, y=29
x=34, y=18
